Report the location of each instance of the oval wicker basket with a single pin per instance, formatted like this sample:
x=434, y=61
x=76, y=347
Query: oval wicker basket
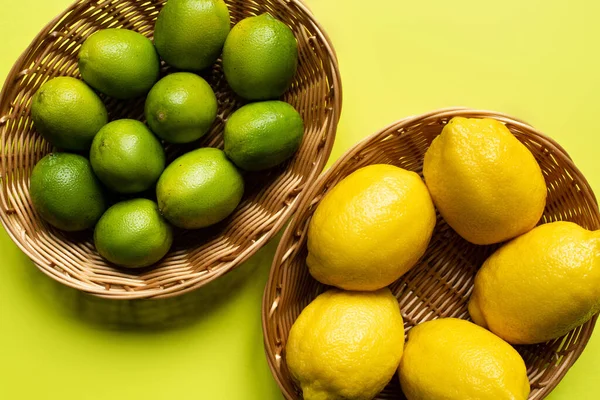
x=197, y=257
x=440, y=285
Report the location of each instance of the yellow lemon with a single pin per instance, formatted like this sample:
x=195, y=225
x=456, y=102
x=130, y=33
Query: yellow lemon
x=346, y=345
x=370, y=229
x=454, y=359
x=485, y=183
x=540, y=285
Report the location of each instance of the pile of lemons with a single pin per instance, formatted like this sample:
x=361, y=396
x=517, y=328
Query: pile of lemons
x=113, y=176
x=374, y=226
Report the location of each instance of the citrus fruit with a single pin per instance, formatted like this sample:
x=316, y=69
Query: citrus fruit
x=65, y=192
x=126, y=156
x=346, y=345
x=133, y=234
x=540, y=285
x=189, y=34
x=486, y=184
x=260, y=57
x=199, y=189
x=119, y=63
x=370, y=229
x=262, y=135
x=181, y=107
x=67, y=113
x=454, y=359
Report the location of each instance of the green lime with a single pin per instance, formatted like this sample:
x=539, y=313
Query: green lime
x=126, y=156
x=68, y=113
x=119, y=63
x=189, y=34
x=260, y=57
x=181, y=107
x=199, y=189
x=262, y=135
x=65, y=192
x=133, y=234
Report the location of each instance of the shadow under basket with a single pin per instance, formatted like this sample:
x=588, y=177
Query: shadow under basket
x=439, y=286
x=197, y=257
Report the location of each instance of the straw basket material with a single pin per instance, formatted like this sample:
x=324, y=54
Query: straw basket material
x=197, y=257
x=440, y=285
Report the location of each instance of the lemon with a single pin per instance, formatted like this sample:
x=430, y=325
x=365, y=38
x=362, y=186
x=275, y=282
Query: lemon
x=133, y=234
x=485, y=183
x=181, y=107
x=540, y=285
x=126, y=156
x=453, y=359
x=68, y=113
x=199, y=189
x=370, y=229
x=346, y=345
x=119, y=63
x=262, y=135
x=189, y=34
x=260, y=58
x=65, y=192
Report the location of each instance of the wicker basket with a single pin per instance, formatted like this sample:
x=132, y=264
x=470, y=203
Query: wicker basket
x=197, y=257
x=440, y=285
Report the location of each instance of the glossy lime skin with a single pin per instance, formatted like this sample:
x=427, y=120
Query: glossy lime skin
x=260, y=58
x=133, y=234
x=262, y=135
x=181, y=107
x=119, y=63
x=65, y=192
x=199, y=189
x=189, y=34
x=68, y=113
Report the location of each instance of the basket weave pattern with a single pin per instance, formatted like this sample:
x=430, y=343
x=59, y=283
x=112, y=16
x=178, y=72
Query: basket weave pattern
x=197, y=257
x=441, y=283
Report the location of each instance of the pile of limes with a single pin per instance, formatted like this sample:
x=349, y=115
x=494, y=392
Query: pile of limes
x=69, y=187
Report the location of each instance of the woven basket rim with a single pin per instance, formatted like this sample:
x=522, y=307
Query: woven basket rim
x=269, y=305
x=17, y=71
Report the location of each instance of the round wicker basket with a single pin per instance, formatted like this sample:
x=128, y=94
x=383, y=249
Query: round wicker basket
x=440, y=285
x=197, y=257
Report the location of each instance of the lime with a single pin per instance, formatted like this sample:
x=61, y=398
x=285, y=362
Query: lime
x=126, y=156
x=261, y=135
x=65, y=192
x=119, y=62
x=189, y=34
x=199, y=189
x=68, y=113
x=260, y=57
x=181, y=107
x=133, y=234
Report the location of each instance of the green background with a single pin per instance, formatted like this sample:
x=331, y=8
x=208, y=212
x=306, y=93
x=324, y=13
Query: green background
x=537, y=60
